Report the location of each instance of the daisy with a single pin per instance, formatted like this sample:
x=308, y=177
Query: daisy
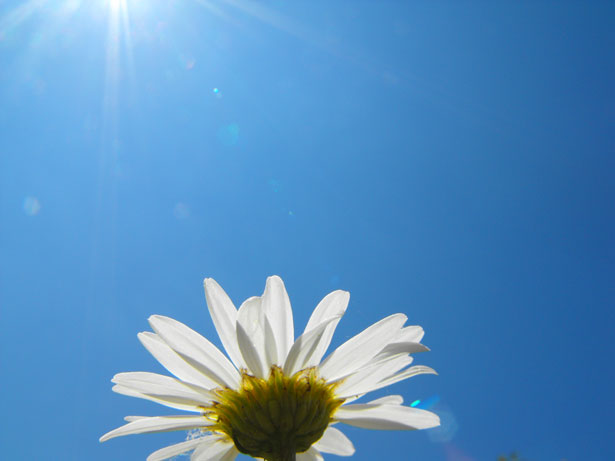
x=275, y=398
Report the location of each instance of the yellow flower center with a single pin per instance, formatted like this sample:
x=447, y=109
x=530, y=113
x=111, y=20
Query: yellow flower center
x=277, y=417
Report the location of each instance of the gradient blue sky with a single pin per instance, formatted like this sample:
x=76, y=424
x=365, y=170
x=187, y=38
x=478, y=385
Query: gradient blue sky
x=450, y=160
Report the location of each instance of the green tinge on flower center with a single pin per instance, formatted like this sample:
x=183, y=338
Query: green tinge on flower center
x=278, y=417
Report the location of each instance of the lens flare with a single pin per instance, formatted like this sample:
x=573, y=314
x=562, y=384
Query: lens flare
x=31, y=206
x=181, y=211
x=229, y=134
x=427, y=403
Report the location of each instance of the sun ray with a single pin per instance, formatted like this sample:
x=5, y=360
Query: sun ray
x=215, y=9
x=118, y=64
x=19, y=15
x=112, y=65
x=127, y=36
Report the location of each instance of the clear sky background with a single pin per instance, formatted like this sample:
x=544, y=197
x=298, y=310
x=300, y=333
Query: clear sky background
x=450, y=160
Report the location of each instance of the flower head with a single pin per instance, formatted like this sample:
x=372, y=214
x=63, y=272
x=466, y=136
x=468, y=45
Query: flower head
x=275, y=398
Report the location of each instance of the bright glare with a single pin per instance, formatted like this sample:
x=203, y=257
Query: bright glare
x=116, y=4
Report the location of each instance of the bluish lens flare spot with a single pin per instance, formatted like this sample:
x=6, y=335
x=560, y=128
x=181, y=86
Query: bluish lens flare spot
x=229, y=134
x=447, y=429
x=415, y=403
x=181, y=211
x=31, y=206
x=428, y=403
x=274, y=185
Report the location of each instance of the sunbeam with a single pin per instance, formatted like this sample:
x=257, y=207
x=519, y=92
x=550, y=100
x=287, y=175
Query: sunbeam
x=116, y=66
x=19, y=15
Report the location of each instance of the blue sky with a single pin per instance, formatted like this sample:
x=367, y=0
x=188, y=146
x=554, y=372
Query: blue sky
x=450, y=160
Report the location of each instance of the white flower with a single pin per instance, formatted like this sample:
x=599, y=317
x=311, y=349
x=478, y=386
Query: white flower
x=276, y=398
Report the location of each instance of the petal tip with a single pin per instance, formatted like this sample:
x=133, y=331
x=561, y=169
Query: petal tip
x=208, y=282
x=274, y=280
x=344, y=294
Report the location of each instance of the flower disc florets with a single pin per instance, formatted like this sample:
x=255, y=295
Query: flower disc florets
x=278, y=417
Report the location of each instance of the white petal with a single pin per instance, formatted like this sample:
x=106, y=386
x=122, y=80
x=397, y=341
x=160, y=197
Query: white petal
x=388, y=381
x=367, y=378
x=280, y=315
x=301, y=355
x=216, y=449
x=196, y=350
x=158, y=424
x=406, y=347
x=360, y=349
x=171, y=402
x=271, y=347
x=251, y=336
x=224, y=315
x=161, y=389
x=174, y=450
x=334, y=441
x=153, y=383
x=409, y=373
x=310, y=455
x=250, y=354
x=206, y=442
x=386, y=417
x=230, y=455
x=412, y=334
x=388, y=399
x=332, y=306
x=169, y=359
x=253, y=318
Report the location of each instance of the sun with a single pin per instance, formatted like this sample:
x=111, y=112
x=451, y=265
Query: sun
x=116, y=4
